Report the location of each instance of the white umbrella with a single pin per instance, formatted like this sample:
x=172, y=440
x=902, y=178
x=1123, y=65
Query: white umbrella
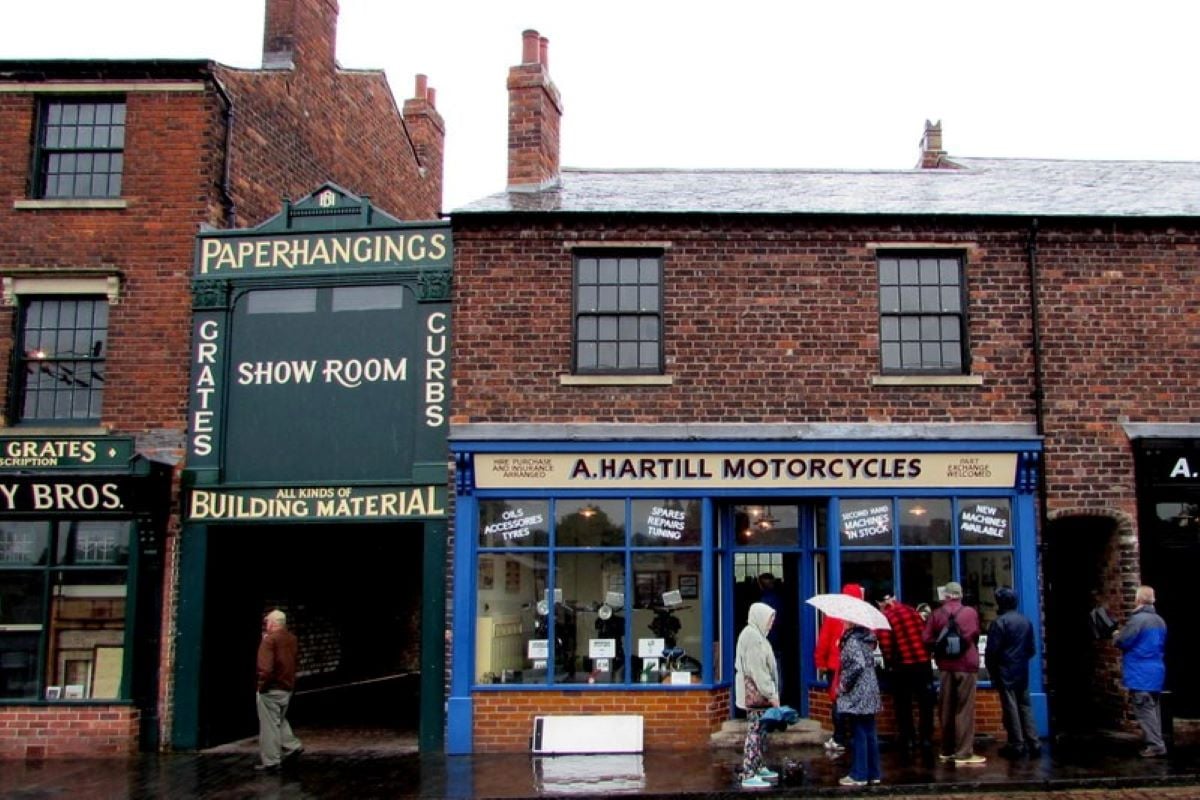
x=851, y=609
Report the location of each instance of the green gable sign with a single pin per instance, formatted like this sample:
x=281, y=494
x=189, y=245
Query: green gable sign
x=320, y=354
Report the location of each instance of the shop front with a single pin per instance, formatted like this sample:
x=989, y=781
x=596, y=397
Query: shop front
x=82, y=521
x=1168, y=481
x=317, y=476
x=608, y=571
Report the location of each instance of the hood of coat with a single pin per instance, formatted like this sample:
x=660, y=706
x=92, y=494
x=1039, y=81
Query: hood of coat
x=761, y=616
x=865, y=635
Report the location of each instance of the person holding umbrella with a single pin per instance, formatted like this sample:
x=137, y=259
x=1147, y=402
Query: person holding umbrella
x=828, y=660
x=858, y=698
x=756, y=688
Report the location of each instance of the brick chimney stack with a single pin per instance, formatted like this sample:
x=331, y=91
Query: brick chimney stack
x=534, y=117
x=428, y=132
x=300, y=34
x=932, y=154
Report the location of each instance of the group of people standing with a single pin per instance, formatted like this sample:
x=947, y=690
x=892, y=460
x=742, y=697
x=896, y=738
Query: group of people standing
x=845, y=656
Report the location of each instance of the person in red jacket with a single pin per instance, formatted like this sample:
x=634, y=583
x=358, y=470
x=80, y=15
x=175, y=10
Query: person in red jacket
x=829, y=660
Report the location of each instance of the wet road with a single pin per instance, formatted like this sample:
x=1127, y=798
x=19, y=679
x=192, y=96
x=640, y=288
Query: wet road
x=358, y=770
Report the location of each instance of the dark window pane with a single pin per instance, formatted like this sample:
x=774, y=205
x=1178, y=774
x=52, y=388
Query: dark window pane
x=925, y=521
x=589, y=523
x=629, y=354
x=588, y=298
x=649, y=298
x=587, y=355
x=628, y=298
x=607, y=299
x=18, y=662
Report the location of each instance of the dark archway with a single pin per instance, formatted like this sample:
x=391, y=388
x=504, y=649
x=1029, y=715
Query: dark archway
x=1080, y=566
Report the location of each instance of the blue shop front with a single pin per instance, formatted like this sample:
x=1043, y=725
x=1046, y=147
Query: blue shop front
x=595, y=558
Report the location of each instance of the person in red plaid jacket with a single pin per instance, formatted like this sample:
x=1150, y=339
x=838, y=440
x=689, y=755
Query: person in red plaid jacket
x=910, y=673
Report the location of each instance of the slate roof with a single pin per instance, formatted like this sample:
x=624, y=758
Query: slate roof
x=982, y=187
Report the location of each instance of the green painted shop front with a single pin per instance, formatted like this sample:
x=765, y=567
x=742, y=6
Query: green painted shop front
x=316, y=471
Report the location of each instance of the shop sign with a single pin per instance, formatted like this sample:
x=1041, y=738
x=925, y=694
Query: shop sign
x=325, y=253
x=301, y=503
x=73, y=495
x=863, y=527
x=744, y=470
x=984, y=523
x=65, y=452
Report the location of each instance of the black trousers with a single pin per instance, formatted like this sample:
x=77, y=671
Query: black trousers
x=912, y=684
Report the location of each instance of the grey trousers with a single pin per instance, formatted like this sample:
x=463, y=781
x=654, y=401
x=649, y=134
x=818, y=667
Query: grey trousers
x=956, y=712
x=275, y=737
x=1017, y=714
x=1148, y=712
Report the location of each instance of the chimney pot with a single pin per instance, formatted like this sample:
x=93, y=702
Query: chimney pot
x=932, y=154
x=534, y=117
x=530, y=47
x=431, y=96
x=421, y=92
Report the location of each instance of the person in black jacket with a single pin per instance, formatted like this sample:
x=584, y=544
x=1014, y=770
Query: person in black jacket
x=1009, y=648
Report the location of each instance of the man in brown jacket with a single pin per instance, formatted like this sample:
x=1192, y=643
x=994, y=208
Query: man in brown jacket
x=276, y=681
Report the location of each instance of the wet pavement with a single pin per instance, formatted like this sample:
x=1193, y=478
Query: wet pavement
x=365, y=766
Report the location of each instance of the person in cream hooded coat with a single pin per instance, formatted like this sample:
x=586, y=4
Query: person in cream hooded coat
x=756, y=661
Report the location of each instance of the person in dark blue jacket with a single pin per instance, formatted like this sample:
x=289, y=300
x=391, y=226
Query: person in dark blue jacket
x=1009, y=648
x=1143, y=642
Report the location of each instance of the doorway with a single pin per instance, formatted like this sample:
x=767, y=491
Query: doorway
x=1080, y=563
x=767, y=566
x=352, y=594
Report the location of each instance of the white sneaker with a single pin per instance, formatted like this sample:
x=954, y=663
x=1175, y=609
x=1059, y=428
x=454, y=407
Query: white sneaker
x=755, y=783
x=767, y=774
x=833, y=745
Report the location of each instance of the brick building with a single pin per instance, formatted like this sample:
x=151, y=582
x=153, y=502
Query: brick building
x=109, y=169
x=897, y=378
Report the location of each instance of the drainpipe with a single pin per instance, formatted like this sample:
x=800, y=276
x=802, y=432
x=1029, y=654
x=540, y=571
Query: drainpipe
x=227, y=155
x=1039, y=388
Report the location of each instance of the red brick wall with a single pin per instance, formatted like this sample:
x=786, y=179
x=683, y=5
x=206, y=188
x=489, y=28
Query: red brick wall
x=296, y=130
x=68, y=731
x=169, y=186
x=674, y=720
x=988, y=721
x=763, y=322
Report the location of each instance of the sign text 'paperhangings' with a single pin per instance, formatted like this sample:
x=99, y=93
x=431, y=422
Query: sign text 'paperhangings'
x=334, y=252
x=744, y=470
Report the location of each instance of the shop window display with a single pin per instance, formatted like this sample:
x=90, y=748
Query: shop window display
x=66, y=614
x=599, y=593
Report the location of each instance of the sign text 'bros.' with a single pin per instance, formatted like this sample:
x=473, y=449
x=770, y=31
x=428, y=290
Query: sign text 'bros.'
x=60, y=497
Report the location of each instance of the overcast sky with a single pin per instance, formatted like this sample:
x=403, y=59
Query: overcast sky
x=699, y=83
